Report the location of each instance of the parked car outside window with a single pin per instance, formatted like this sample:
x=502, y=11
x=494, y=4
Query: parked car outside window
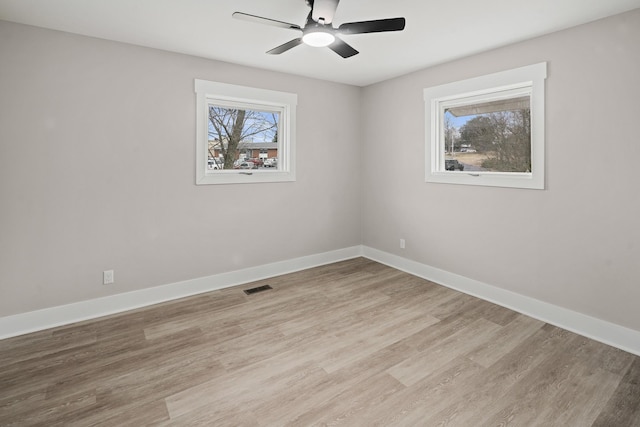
x=452, y=164
x=270, y=162
x=247, y=165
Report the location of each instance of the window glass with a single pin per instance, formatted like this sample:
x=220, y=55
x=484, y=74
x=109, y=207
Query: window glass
x=488, y=130
x=493, y=136
x=244, y=134
x=240, y=138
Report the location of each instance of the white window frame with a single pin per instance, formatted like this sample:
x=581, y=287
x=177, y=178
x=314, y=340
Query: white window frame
x=501, y=85
x=208, y=92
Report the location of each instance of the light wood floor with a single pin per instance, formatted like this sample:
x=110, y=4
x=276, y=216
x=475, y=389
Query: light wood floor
x=353, y=343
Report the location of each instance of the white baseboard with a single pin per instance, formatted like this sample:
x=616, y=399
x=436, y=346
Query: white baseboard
x=600, y=330
x=591, y=327
x=33, y=321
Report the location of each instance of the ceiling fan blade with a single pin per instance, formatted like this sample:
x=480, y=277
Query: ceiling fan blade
x=285, y=47
x=267, y=21
x=342, y=48
x=376, y=26
x=324, y=9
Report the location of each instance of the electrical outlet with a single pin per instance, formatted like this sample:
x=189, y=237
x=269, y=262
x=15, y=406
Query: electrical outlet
x=107, y=277
x=402, y=244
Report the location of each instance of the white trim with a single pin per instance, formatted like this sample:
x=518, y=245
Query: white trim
x=531, y=77
x=33, y=321
x=600, y=330
x=284, y=102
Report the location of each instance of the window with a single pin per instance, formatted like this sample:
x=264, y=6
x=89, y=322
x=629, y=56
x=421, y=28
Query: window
x=244, y=134
x=487, y=130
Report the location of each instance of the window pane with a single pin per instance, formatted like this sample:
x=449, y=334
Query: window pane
x=492, y=136
x=241, y=138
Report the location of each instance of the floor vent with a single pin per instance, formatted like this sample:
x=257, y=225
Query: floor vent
x=258, y=289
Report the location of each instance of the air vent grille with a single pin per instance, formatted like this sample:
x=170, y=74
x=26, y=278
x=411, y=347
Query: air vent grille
x=258, y=289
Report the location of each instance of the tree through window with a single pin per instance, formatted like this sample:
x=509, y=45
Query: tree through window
x=235, y=134
x=492, y=136
x=244, y=134
x=487, y=130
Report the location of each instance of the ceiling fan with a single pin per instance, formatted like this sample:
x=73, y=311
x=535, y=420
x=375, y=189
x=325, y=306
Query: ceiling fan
x=319, y=32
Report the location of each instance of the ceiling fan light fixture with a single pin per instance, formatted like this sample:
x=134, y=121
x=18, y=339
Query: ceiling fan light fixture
x=318, y=37
x=319, y=32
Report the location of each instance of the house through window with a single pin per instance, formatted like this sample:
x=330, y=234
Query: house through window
x=244, y=134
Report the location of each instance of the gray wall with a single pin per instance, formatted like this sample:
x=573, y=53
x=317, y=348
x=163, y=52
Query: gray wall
x=97, y=155
x=575, y=244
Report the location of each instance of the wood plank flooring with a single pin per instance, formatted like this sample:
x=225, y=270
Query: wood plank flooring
x=354, y=343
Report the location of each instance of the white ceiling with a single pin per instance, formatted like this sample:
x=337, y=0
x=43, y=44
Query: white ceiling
x=436, y=31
